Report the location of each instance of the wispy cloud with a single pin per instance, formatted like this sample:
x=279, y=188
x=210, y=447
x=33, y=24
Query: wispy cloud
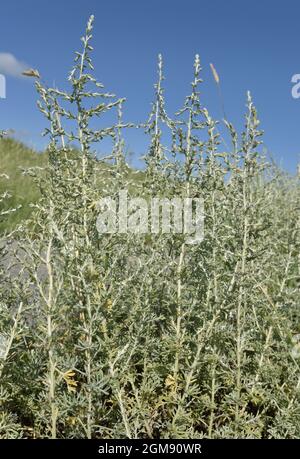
x=10, y=65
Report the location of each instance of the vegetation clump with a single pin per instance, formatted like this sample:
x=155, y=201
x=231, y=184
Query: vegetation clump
x=144, y=335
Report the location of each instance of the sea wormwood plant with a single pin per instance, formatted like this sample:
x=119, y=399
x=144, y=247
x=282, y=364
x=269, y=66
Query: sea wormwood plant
x=146, y=335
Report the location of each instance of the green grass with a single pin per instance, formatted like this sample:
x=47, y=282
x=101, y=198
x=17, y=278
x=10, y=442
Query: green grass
x=14, y=158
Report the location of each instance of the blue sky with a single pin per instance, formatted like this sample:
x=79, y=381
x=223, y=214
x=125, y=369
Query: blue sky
x=254, y=45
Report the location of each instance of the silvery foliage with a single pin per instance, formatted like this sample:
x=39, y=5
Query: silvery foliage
x=145, y=335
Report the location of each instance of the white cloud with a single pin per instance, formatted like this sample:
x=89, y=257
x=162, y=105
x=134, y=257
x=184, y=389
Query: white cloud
x=10, y=65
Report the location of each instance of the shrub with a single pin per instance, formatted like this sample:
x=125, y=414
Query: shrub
x=139, y=335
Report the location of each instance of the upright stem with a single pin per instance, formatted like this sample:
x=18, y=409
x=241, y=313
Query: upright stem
x=11, y=337
x=51, y=359
x=212, y=401
x=180, y=266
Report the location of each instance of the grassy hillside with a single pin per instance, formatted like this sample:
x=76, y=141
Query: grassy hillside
x=14, y=158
